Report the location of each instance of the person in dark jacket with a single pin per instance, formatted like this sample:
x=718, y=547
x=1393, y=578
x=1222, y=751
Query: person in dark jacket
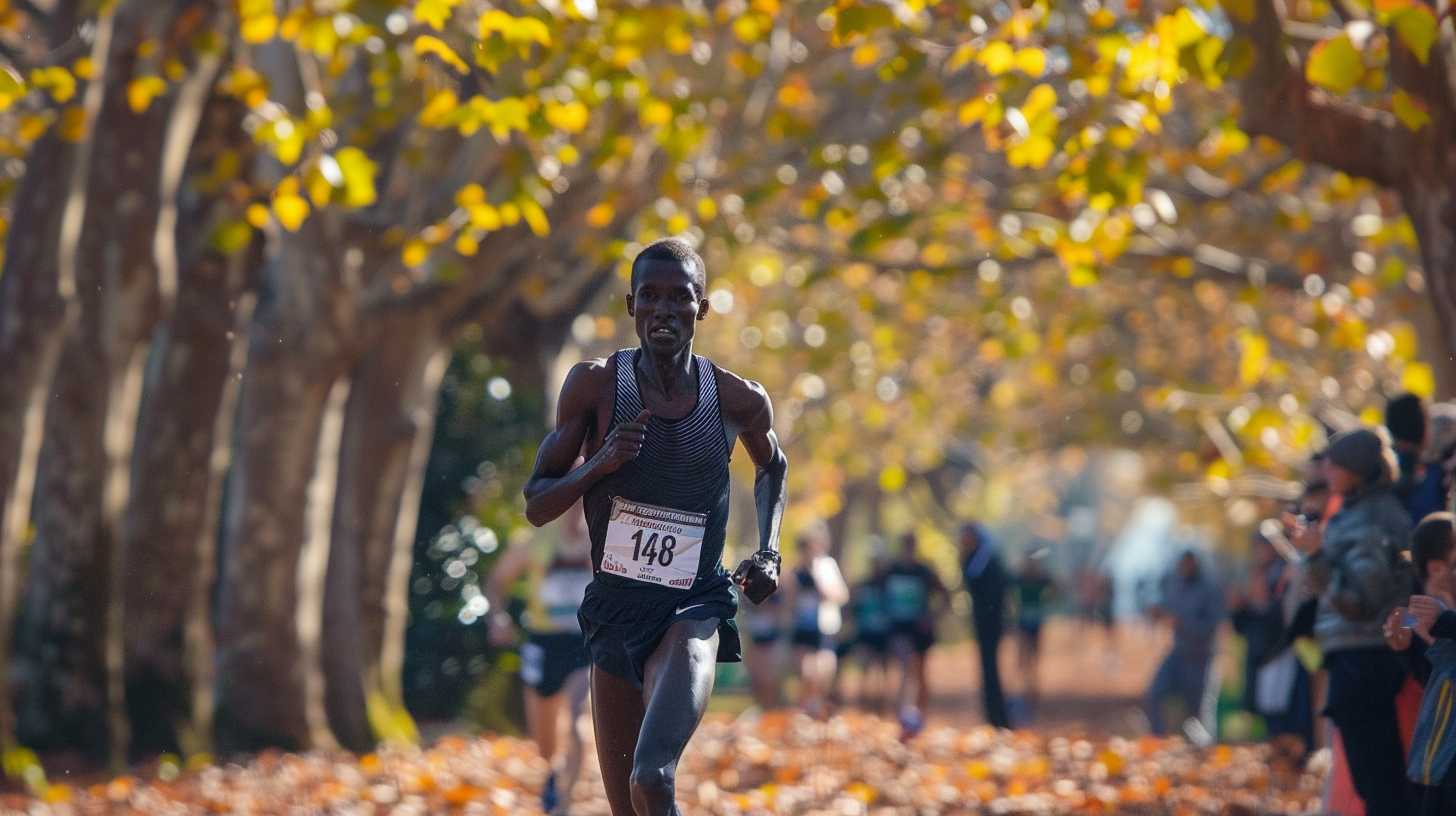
x=1276, y=685
x=986, y=580
x=1194, y=606
x=1356, y=567
x=1420, y=484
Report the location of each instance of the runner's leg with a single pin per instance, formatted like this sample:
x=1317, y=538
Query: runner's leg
x=542, y=720
x=617, y=712
x=575, y=693
x=679, y=682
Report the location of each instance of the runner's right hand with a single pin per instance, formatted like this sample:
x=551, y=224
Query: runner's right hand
x=624, y=443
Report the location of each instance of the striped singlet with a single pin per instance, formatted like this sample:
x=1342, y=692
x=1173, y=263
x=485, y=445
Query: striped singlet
x=683, y=465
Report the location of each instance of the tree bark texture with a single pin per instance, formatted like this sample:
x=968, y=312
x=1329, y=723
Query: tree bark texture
x=388, y=425
x=296, y=352
x=168, y=535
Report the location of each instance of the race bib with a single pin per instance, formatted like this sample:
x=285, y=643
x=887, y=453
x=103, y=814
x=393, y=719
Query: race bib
x=656, y=545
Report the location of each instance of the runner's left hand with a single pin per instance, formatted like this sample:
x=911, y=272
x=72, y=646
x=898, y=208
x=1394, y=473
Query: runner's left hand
x=757, y=577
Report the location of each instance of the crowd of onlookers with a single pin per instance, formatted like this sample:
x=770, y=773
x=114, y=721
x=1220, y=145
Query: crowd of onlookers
x=1345, y=616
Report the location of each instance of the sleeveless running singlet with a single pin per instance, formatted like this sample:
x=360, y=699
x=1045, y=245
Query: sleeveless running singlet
x=667, y=510
x=553, y=606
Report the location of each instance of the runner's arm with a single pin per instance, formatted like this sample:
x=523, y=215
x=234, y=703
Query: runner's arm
x=751, y=412
x=555, y=485
x=512, y=564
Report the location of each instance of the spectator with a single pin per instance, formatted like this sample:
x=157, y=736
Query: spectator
x=1276, y=685
x=1420, y=484
x=986, y=580
x=1194, y=606
x=1355, y=566
x=1433, y=551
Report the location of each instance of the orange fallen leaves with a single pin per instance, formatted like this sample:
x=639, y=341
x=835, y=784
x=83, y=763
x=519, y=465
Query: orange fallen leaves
x=778, y=763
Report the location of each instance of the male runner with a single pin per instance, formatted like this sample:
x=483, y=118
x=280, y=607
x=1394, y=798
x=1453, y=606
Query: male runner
x=657, y=425
x=553, y=657
x=915, y=598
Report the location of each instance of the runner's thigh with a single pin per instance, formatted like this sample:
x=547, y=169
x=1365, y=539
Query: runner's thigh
x=678, y=684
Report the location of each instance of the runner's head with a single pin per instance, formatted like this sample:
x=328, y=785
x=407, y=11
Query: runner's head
x=669, y=284
x=814, y=541
x=908, y=545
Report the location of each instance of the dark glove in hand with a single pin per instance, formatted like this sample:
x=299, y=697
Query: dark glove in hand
x=758, y=576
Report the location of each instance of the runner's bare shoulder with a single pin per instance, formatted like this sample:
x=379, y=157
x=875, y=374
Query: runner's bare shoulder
x=745, y=403
x=582, y=391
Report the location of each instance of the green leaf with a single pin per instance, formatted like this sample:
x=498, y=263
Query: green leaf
x=1412, y=112
x=1335, y=64
x=1416, y=28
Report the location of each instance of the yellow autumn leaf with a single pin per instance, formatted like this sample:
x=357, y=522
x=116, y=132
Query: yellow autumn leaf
x=1412, y=112
x=435, y=13
x=1419, y=379
x=415, y=253
x=12, y=87
x=570, y=117
x=600, y=215
x=260, y=29
x=514, y=30
x=1417, y=29
x=439, y=108
x=84, y=68
x=656, y=113
x=865, y=55
x=467, y=244
x=291, y=210
x=469, y=195
x=55, y=80
x=997, y=58
x=510, y=214
x=72, y=127
x=484, y=217
x=1031, y=61
x=142, y=90
x=426, y=44
x=707, y=209
x=568, y=154
x=535, y=218
x=359, y=171
x=1335, y=64
x=257, y=215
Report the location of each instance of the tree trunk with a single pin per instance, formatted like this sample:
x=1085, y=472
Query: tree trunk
x=169, y=530
x=387, y=431
x=1431, y=205
x=182, y=450
x=296, y=354
x=34, y=309
x=68, y=655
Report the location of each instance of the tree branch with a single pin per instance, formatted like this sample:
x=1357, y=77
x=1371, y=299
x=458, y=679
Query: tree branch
x=1278, y=102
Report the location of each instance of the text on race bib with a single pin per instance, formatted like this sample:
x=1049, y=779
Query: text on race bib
x=656, y=545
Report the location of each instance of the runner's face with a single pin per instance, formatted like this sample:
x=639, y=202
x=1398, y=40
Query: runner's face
x=665, y=304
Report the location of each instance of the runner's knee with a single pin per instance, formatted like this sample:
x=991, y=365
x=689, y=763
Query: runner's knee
x=652, y=783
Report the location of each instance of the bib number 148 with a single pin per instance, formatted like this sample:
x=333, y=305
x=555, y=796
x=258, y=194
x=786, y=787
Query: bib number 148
x=656, y=551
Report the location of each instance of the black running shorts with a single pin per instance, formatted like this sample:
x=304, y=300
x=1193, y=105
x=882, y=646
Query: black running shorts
x=624, y=626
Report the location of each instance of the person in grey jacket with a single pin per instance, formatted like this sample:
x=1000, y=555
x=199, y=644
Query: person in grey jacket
x=1193, y=603
x=1358, y=569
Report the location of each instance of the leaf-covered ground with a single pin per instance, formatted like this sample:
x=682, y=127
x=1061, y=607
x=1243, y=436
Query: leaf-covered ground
x=775, y=764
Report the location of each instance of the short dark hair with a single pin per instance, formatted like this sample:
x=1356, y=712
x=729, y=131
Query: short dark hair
x=1405, y=417
x=1432, y=540
x=673, y=250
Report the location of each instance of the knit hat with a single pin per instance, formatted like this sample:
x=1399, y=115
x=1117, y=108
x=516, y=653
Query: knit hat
x=1364, y=453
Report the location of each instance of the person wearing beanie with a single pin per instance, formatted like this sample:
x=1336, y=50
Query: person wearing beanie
x=1419, y=485
x=1358, y=570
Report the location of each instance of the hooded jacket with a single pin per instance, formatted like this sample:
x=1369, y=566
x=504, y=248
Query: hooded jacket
x=1359, y=570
